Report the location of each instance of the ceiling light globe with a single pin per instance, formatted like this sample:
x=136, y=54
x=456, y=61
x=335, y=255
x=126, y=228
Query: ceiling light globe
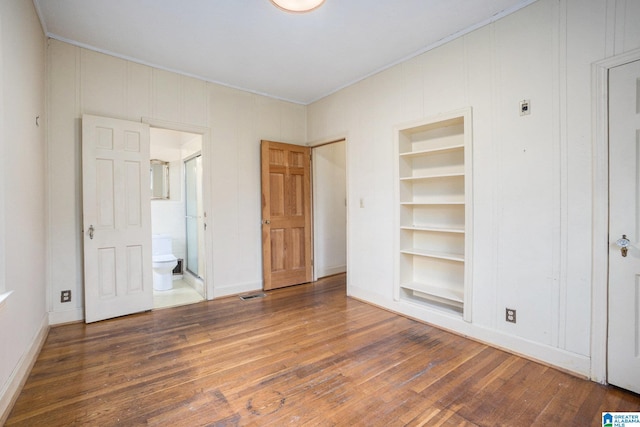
x=298, y=6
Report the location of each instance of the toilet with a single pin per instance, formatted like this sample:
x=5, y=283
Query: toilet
x=163, y=262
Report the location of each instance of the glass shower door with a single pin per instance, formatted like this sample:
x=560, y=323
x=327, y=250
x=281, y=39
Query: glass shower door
x=193, y=205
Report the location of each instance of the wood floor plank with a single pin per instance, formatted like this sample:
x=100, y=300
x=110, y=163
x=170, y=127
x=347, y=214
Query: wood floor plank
x=305, y=355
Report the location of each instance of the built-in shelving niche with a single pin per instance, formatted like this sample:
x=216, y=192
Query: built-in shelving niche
x=434, y=179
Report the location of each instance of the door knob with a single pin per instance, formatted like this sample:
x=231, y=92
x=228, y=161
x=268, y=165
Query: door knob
x=266, y=221
x=623, y=244
x=91, y=230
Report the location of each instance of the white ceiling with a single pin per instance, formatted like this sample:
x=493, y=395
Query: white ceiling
x=252, y=45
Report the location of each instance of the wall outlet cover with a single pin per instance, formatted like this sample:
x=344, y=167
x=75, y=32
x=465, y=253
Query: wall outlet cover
x=65, y=296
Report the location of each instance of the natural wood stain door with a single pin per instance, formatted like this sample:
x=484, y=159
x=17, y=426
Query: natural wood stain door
x=286, y=214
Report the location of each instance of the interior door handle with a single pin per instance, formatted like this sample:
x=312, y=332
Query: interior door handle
x=623, y=244
x=266, y=221
x=91, y=230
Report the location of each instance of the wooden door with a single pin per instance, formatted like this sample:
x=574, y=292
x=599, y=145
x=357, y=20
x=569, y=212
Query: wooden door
x=286, y=214
x=623, y=352
x=116, y=218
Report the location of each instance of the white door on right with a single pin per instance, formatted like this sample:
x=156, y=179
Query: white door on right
x=623, y=359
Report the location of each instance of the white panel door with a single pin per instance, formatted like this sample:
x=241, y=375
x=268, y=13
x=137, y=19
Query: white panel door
x=116, y=218
x=624, y=219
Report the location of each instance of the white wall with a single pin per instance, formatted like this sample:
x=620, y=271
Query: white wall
x=329, y=209
x=532, y=174
x=82, y=81
x=23, y=317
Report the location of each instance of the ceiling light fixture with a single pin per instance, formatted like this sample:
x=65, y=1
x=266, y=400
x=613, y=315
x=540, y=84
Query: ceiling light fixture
x=298, y=6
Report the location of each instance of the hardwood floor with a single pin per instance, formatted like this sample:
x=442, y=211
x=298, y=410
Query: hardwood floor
x=304, y=355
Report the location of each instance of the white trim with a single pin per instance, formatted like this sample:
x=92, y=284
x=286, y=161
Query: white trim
x=235, y=289
x=327, y=271
x=600, y=227
x=66, y=316
x=11, y=389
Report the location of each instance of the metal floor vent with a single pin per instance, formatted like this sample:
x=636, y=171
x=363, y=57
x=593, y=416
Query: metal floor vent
x=252, y=296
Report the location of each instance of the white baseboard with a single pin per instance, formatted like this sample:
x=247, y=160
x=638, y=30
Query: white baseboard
x=67, y=316
x=575, y=363
x=10, y=392
x=330, y=271
x=239, y=288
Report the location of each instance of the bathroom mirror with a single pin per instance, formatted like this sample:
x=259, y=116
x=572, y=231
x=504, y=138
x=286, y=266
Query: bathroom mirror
x=159, y=180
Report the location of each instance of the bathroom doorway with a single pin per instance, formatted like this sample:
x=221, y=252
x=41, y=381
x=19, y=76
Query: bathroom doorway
x=177, y=210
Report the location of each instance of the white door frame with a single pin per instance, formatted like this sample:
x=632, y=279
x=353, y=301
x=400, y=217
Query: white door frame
x=312, y=145
x=600, y=214
x=207, y=185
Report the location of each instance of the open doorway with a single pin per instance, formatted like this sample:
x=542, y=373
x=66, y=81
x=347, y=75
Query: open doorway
x=329, y=209
x=177, y=213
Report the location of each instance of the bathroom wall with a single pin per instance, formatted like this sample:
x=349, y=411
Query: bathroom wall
x=82, y=81
x=23, y=256
x=532, y=175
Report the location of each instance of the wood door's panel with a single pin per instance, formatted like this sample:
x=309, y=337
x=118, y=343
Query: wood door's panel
x=105, y=197
x=107, y=272
x=296, y=196
x=296, y=159
x=278, y=249
x=133, y=196
x=104, y=138
x=132, y=142
x=278, y=194
x=276, y=157
x=296, y=248
x=135, y=273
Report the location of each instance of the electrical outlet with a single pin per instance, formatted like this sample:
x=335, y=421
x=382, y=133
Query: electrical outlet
x=65, y=296
x=525, y=107
x=510, y=315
